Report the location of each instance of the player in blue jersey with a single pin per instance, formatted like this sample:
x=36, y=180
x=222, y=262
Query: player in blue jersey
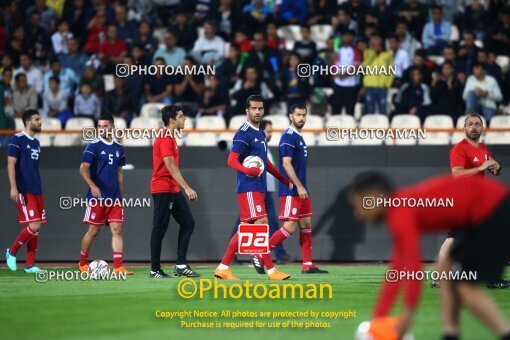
x=295, y=204
x=101, y=169
x=26, y=190
x=249, y=140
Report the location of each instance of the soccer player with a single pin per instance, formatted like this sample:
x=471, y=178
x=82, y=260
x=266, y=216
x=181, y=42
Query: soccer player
x=295, y=203
x=168, y=197
x=479, y=215
x=101, y=169
x=26, y=190
x=470, y=157
x=249, y=140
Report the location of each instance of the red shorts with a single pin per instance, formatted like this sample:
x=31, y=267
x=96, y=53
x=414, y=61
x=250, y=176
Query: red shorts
x=31, y=208
x=100, y=214
x=292, y=208
x=252, y=206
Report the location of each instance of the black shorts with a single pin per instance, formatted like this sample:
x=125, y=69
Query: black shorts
x=484, y=249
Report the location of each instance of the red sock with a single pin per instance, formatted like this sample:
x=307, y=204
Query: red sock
x=231, y=251
x=84, y=258
x=22, y=238
x=305, y=240
x=278, y=237
x=31, y=250
x=117, y=259
x=268, y=260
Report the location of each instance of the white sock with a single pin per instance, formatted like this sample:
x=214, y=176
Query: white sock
x=307, y=264
x=271, y=271
x=222, y=266
x=181, y=266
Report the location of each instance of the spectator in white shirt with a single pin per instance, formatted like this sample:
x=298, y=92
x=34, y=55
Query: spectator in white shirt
x=34, y=75
x=86, y=103
x=400, y=59
x=55, y=102
x=59, y=38
x=209, y=46
x=481, y=93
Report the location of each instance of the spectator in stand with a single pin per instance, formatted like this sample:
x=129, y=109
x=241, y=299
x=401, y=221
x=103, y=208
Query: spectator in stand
x=172, y=54
x=120, y=102
x=256, y=15
x=406, y=41
x=139, y=55
x=266, y=59
x=400, y=58
x=188, y=87
x=357, y=10
x=385, y=17
x=248, y=85
x=184, y=30
x=377, y=85
x=96, y=33
x=6, y=109
x=210, y=46
x=493, y=69
x=425, y=66
x=34, y=75
x=60, y=38
x=48, y=16
x=343, y=22
x=294, y=89
x=39, y=42
x=55, y=102
x=306, y=48
x=86, y=104
x=226, y=20
x=414, y=97
x=476, y=17
x=229, y=70
x=458, y=65
x=499, y=37
x=24, y=96
x=6, y=63
x=293, y=12
x=67, y=78
x=468, y=51
x=481, y=93
x=345, y=86
x=112, y=50
x=415, y=13
x=436, y=33
x=17, y=44
x=127, y=30
x=214, y=99
x=158, y=88
x=242, y=42
x=272, y=39
x=145, y=38
x=74, y=14
x=133, y=83
x=73, y=59
x=94, y=80
x=321, y=12
x=446, y=92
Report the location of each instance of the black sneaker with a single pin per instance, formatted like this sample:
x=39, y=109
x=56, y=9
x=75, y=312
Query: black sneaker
x=314, y=270
x=502, y=284
x=434, y=284
x=258, y=264
x=159, y=274
x=188, y=272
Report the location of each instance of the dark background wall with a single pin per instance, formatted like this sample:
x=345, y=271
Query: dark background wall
x=337, y=236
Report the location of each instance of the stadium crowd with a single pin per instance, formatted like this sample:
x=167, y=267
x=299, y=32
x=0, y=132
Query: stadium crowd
x=451, y=56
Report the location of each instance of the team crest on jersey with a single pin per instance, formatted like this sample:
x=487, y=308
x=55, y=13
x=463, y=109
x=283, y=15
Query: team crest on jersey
x=117, y=154
x=93, y=216
x=28, y=146
x=476, y=159
x=294, y=211
x=256, y=140
x=31, y=212
x=103, y=153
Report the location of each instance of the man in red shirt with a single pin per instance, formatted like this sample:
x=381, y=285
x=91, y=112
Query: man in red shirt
x=112, y=50
x=470, y=157
x=167, y=196
x=475, y=208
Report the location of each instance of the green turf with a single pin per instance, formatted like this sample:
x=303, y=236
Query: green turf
x=126, y=309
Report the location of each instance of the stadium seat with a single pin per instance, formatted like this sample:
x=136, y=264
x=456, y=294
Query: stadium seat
x=454, y=34
x=275, y=139
x=200, y=139
x=500, y=121
x=457, y=137
x=358, y=110
x=497, y=137
x=437, y=59
x=309, y=138
x=504, y=62
x=18, y=124
x=120, y=123
x=75, y=123
x=389, y=99
x=278, y=108
x=109, y=82
x=142, y=123
x=290, y=32
x=324, y=141
x=372, y=121
x=49, y=124
x=151, y=110
x=236, y=122
x=341, y=121
x=226, y=136
x=210, y=123
x=280, y=122
x=437, y=122
x=320, y=34
x=314, y=122
x=404, y=121
x=159, y=33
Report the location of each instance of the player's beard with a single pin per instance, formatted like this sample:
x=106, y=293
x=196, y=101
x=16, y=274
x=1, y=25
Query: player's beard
x=35, y=129
x=474, y=135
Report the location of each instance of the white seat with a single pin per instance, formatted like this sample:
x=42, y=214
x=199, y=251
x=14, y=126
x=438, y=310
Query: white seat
x=226, y=136
x=275, y=139
x=210, y=123
x=75, y=123
x=389, y=99
x=278, y=108
x=236, y=122
x=120, y=123
x=454, y=33
x=18, y=123
x=49, y=124
x=457, y=137
x=280, y=122
x=309, y=138
x=404, y=121
x=151, y=110
x=341, y=121
x=314, y=122
x=324, y=141
x=437, y=59
x=142, y=123
x=289, y=32
x=504, y=62
x=372, y=121
x=500, y=121
x=437, y=122
x=109, y=83
x=200, y=139
x=159, y=33
x=320, y=33
x=497, y=138
x=358, y=110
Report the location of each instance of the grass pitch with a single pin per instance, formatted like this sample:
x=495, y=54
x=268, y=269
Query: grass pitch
x=126, y=309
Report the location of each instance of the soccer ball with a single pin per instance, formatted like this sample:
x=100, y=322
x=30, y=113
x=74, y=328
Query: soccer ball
x=98, y=270
x=380, y=329
x=253, y=162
